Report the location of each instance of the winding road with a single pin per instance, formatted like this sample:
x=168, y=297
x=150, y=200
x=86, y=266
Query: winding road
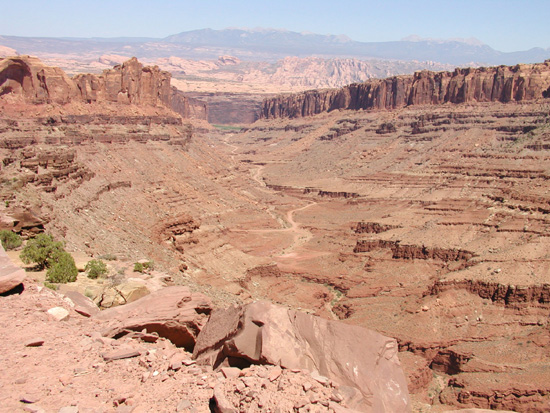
x=300, y=235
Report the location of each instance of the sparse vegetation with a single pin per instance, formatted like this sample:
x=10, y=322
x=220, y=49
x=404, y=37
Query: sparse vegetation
x=62, y=268
x=10, y=240
x=41, y=250
x=144, y=266
x=108, y=257
x=47, y=253
x=51, y=286
x=228, y=127
x=95, y=269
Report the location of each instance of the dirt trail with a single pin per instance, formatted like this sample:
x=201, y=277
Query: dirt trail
x=300, y=235
x=256, y=175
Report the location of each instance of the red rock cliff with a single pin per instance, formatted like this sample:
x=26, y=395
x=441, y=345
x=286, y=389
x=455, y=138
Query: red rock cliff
x=188, y=107
x=28, y=80
x=130, y=82
x=492, y=84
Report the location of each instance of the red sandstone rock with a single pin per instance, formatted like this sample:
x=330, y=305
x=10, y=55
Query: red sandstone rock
x=187, y=107
x=27, y=77
x=173, y=312
x=35, y=342
x=10, y=275
x=122, y=353
x=353, y=356
x=82, y=304
x=128, y=83
x=491, y=84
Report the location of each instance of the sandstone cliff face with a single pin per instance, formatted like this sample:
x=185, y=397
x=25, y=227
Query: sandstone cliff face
x=130, y=83
x=493, y=84
x=188, y=107
x=27, y=79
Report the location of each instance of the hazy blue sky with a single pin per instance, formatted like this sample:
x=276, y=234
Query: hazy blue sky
x=506, y=25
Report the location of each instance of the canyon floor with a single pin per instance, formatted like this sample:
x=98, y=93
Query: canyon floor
x=427, y=224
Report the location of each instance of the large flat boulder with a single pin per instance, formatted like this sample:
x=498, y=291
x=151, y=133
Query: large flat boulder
x=82, y=304
x=261, y=333
x=10, y=274
x=173, y=312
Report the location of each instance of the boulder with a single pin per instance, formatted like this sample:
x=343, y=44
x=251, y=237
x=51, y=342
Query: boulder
x=82, y=304
x=59, y=313
x=118, y=294
x=174, y=313
x=359, y=359
x=10, y=274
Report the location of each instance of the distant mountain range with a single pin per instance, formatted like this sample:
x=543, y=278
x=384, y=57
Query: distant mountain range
x=271, y=45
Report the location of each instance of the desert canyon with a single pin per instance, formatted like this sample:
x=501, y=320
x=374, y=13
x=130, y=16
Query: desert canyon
x=378, y=247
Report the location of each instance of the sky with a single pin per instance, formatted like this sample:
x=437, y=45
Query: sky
x=506, y=25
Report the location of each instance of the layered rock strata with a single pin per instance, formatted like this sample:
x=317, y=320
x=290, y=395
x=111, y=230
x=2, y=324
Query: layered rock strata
x=492, y=84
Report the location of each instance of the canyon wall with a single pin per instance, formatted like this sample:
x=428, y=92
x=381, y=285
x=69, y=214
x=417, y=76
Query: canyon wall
x=188, y=107
x=28, y=80
x=492, y=84
x=130, y=82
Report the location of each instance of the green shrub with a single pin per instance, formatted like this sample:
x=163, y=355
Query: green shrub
x=41, y=250
x=62, y=268
x=95, y=268
x=10, y=240
x=144, y=266
x=51, y=286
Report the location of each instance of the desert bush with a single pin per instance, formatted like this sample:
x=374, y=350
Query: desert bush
x=62, y=268
x=51, y=286
x=144, y=266
x=41, y=250
x=95, y=268
x=10, y=239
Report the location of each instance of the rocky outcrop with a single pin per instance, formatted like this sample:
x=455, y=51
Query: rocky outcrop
x=492, y=84
x=27, y=78
x=512, y=295
x=489, y=394
x=24, y=222
x=401, y=251
x=188, y=107
x=129, y=83
x=173, y=312
x=177, y=231
x=47, y=168
x=372, y=228
x=262, y=333
x=10, y=275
